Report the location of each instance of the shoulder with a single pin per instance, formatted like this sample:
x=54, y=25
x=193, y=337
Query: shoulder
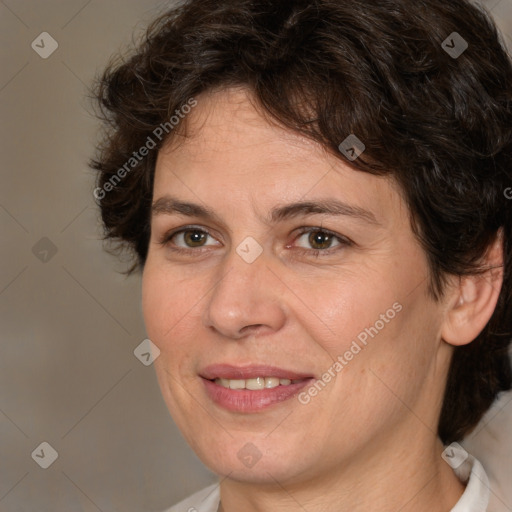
x=206, y=500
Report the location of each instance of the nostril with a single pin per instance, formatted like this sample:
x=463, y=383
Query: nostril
x=251, y=327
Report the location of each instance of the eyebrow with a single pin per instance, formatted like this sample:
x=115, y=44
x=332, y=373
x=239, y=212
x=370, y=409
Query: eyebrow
x=168, y=205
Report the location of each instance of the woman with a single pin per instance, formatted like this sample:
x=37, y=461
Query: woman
x=314, y=192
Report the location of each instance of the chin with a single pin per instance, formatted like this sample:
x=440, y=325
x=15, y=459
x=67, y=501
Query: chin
x=257, y=462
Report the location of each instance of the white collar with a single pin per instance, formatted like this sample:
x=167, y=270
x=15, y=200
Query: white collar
x=206, y=500
x=476, y=495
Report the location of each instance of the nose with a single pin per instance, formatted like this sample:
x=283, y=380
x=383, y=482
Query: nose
x=246, y=301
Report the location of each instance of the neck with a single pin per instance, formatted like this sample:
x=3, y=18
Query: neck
x=408, y=479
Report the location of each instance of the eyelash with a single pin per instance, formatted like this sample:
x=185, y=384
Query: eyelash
x=343, y=241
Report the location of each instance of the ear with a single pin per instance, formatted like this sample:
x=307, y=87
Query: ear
x=473, y=300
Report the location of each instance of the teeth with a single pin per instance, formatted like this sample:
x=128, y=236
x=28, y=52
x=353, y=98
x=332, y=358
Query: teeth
x=236, y=384
x=271, y=382
x=254, y=384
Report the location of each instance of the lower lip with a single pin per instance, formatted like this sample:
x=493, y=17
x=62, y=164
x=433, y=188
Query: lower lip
x=242, y=400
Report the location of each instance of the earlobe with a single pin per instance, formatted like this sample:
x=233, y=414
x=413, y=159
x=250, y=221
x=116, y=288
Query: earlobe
x=474, y=299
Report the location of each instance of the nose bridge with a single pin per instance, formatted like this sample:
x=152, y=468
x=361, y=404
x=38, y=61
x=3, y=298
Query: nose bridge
x=243, y=297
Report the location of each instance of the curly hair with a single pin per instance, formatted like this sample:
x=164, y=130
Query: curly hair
x=438, y=121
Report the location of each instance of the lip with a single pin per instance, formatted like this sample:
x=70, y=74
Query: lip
x=227, y=371
x=247, y=401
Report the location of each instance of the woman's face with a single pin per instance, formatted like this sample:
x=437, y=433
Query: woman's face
x=286, y=265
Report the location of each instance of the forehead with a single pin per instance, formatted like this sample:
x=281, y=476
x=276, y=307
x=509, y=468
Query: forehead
x=227, y=144
x=231, y=120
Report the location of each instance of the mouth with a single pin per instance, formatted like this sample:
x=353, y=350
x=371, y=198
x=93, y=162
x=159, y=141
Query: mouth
x=255, y=384
x=251, y=388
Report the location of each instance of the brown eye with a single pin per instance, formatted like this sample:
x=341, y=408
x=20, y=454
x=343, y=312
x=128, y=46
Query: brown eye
x=188, y=238
x=194, y=238
x=320, y=240
x=316, y=241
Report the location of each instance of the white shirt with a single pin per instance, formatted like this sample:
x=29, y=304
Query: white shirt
x=470, y=472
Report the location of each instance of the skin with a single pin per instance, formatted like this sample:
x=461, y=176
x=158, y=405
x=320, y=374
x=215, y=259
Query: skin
x=368, y=440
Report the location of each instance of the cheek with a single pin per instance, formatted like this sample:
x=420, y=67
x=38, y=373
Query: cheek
x=168, y=312
x=347, y=309
x=399, y=359
x=374, y=323
x=166, y=304
x=154, y=299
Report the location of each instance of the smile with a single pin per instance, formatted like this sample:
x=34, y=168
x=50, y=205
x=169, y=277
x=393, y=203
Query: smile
x=251, y=389
x=254, y=384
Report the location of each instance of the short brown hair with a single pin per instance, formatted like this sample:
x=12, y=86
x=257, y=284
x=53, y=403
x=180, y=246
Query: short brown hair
x=438, y=122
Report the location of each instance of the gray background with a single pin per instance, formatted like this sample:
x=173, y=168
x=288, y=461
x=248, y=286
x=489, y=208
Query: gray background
x=70, y=322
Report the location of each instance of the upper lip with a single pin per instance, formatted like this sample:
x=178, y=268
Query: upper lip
x=227, y=371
